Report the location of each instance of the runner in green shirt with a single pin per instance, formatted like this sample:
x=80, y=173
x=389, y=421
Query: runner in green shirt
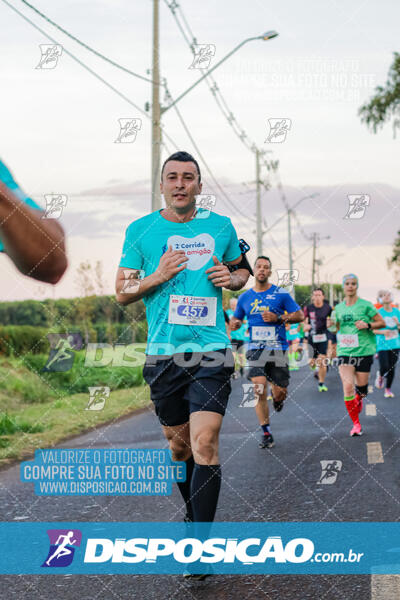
x=355, y=320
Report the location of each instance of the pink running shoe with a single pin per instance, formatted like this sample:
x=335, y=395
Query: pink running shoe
x=356, y=429
x=379, y=381
x=388, y=393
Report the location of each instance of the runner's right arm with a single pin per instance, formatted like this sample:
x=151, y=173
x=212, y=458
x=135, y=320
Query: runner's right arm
x=238, y=316
x=170, y=264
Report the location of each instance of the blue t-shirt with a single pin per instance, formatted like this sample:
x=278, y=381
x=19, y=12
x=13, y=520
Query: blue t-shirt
x=252, y=304
x=393, y=340
x=8, y=180
x=146, y=240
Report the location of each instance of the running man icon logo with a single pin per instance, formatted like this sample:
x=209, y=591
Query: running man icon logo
x=50, y=53
x=278, y=130
x=203, y=54
x=206, y=201
x=287, y=279
x=62, y=346
x=251, y=392
x=357, y=206
x=98, y=396
x=132, y=279
x=330, y=470
x=54, y=205
x=62, y=547
x=128, y=129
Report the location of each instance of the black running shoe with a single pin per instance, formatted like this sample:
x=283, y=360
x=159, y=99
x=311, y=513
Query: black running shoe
x=278, y=405
x=266, y=441
x=197, y=576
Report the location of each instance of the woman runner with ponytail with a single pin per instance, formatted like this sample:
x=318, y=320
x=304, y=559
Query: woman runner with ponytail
x=356, y=319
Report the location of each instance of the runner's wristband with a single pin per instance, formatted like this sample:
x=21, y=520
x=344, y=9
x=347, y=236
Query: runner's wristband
x=369, y=325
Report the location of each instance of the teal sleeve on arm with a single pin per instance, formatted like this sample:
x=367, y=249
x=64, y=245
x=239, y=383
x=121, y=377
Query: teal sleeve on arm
x=132, y=256
x=7, y=178
x=232, y=252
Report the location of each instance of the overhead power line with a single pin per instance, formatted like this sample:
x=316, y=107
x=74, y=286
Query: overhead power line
x=89, y=69
x=190, y=136
x=89, y=48
x=191, y=41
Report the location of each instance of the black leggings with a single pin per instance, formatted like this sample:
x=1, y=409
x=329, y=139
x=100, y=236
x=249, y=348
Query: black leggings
x=387, y=364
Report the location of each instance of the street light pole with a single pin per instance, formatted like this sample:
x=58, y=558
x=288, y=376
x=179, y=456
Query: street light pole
x=265, y=36
x=158, y=111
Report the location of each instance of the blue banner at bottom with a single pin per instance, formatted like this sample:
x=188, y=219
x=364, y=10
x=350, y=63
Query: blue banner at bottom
x=172, y=548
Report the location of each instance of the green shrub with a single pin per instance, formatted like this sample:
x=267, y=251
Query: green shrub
x=79, y=378
x=19, y=339
x=10, y=425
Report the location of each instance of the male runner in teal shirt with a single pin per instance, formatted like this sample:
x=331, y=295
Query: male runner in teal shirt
x=183, y=261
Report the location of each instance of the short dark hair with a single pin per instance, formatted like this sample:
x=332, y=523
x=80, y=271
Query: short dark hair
x=265, y=258
x=182, y=156
x=319, y=290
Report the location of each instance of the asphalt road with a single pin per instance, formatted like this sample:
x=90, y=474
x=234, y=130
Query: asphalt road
x=280, y=484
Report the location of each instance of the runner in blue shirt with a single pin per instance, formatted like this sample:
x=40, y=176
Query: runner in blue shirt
x=264, y=306
x=183, y=258
x=35, y=245
x=388, y=342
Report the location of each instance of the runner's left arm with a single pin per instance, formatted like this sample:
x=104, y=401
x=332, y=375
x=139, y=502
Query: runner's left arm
x=221, y=275
x=293, y=313
x=293, y=317
x=375, y=320
x=306, y=321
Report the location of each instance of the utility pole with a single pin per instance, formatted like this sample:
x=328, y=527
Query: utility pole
x=156, y=109
x=289, y=213
x=314, y=247
x=315, y=237
x=155, y=115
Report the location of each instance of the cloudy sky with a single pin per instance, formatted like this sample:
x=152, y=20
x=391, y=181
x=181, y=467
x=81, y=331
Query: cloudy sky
x=59, y=125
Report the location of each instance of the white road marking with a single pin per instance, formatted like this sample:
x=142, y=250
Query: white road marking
x=370, y=410
x=385, y=587
x=374, y=451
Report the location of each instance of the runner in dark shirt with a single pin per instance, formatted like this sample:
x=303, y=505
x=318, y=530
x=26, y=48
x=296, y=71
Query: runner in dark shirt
x=316, y=314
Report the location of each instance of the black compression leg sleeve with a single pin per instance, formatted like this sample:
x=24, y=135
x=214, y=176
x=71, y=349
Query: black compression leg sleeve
x=206, y=483
x=362, y=390
x=393, y=356
x=184, y=487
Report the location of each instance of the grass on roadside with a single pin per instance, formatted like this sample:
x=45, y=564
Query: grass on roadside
x=44, y=425
x=35, y=413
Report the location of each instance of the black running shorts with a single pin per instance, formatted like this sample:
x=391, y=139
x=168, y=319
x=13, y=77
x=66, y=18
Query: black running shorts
x=236, y=344
x=266, y=366
x=189, y=382
x=318, y=348
x=362, y=364
x=332, y=337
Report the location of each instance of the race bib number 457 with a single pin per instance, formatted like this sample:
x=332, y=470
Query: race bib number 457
x=192, y=310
